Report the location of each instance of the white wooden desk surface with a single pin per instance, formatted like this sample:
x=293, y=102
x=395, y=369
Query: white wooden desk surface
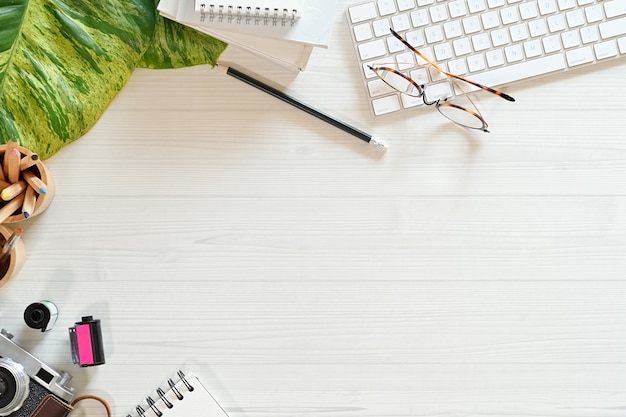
x=300, y=273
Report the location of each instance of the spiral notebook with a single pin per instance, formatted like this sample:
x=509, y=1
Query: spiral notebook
x=184, y=396
x=312, y=27
x=250, y=12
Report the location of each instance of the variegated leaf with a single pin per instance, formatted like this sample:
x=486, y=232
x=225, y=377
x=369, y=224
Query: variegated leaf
x=63, y=61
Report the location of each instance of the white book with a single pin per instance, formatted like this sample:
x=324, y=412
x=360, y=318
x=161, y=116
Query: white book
x=185, y=397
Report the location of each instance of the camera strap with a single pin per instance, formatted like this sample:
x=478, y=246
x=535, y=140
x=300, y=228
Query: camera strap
x=90, y=397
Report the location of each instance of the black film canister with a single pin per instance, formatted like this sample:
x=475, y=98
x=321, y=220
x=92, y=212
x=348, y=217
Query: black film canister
x=41, y=315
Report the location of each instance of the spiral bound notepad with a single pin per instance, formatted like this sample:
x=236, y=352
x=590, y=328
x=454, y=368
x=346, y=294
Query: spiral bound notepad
x=249, y=12
x=184, y=396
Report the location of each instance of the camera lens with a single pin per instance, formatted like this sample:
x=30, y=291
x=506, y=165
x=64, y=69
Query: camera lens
x=14, y=386
x=7, y=388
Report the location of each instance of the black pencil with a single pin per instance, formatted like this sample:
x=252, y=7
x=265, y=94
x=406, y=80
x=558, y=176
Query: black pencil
x=296, y=103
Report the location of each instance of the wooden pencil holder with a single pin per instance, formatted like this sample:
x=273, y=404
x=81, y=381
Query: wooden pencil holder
x=11, y=263
x=10, y=210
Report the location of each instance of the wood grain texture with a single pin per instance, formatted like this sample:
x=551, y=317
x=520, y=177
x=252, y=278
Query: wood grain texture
x=299, y=273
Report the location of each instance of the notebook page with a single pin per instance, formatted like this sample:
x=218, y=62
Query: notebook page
x=196, y=403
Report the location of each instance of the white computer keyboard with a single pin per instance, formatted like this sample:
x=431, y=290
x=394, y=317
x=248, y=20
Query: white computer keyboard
x=492, y=42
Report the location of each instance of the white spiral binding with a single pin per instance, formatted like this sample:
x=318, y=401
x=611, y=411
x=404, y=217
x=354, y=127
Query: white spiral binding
x=161, y=393
x=248, y=15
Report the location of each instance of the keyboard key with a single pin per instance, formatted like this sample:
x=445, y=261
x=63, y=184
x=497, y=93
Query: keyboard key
x=436, y=75
x=439, y=13
x=386, y=105
x=533, y=48
x=363, y=32
x=394, y=45
x=362, y=12
x=500, y=37
x=371, y=50
x=495, y=3
x=457, y=66
x=556, y=23
x=415, y=38
x=419, y=18
x=410, y=101
x=490, y=20
x=613, y=28
x=551, y=43
x=519, y=32
x=438, y=91
x=622, y=45
x=509, y=15
x=378, y=87
x=579, y=56
x=514, y=53
x=528, y=10
x=605, y=50
x=570, y=39
x=452, y=29
x=386, y=7
x=457, y=8
x=476, y=63
x=575, y=18
x=615, y=8
x=433, y=34
x=381, y=27
x=401, y=23
x=420, y=76
x=523, y=70
x=594, y=13
x=481, y=42
x=462, y=46
x=443, y=51
x=547, y=7
x=476, y=6
x=404, y=5
x=538, y=28
x=566, y=4
x=495, y=58
x=471, y=25
x=405, y=60
x=589, y=34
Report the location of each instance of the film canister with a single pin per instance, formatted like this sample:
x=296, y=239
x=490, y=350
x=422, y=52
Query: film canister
x=41, y=315
x=86, y=342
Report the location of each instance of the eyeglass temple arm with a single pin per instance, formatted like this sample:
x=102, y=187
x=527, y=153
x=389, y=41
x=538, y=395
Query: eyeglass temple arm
x=449, y=74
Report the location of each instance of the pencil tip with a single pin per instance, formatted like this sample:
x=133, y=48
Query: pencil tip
x=26, y=215
x=43, y=190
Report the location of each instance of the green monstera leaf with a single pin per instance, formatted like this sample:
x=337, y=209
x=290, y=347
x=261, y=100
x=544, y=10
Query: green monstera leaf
x=63, y=61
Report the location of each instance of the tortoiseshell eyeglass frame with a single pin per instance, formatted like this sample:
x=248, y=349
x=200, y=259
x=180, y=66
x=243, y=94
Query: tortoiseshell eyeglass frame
x=439, y=102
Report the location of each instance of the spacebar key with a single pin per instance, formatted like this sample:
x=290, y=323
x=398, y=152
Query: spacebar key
x=516, y=72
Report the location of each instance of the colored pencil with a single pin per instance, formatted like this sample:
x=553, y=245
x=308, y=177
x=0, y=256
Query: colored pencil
x=28, y=161
x=35, y=182
x=13, y=190
x=30, y=198
x=11, y=207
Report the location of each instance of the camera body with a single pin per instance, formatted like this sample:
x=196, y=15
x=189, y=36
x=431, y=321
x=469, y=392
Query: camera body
x=27, y=384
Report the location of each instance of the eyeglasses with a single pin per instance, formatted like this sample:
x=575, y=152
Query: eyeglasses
x=470, y=118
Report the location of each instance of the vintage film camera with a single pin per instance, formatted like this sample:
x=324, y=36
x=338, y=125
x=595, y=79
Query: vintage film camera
x=29, y=387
